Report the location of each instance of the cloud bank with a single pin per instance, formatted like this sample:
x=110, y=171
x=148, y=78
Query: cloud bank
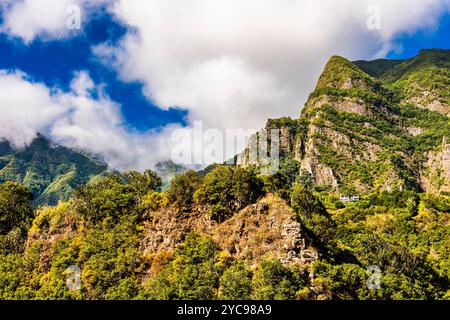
x=235, y=63
x=230, y=63
x=77, y=120
x=46, y=19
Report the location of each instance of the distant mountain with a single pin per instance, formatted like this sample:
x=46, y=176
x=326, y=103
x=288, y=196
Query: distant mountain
x=167, y=170
x=374, y=125
x=50, y=171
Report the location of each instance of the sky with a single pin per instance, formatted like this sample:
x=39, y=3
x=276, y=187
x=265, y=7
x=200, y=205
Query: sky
x=134, y=72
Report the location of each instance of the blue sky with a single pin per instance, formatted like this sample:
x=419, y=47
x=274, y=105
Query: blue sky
x=410, y=45
x=54, y=63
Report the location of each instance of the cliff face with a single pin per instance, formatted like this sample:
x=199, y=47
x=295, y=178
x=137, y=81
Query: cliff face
x=266, y=228
x=381, y=129
x=435, y=176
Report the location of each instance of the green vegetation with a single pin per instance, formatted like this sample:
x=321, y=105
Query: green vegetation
x=15, y=216
x=405, y=234
x=182, y=189
x=233, y=233
x=50, y=172
x=228, y=189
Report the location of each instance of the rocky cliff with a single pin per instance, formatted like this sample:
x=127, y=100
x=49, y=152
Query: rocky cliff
x=373, y=125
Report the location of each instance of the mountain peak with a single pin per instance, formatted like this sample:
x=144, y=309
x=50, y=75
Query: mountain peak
x=341, y=73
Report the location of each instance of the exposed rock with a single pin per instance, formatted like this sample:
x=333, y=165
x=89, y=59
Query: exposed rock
x=414, y=131
x=295, y=245
x=264, y=229
x=435, y=176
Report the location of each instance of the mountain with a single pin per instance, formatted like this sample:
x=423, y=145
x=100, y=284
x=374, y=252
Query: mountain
x=167, y=170
x=367, y=132
x=374, y=125
x=422, y=80
x=50, y=171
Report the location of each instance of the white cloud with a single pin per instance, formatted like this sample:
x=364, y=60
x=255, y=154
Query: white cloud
x=76, y=120
x=48, y=19
x=230, y=63
x=26, y=108
x=235, y=63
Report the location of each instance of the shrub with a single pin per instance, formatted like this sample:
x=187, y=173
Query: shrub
x=228, y=189
x=236, y=283
x=273, y=281
x=182, y=189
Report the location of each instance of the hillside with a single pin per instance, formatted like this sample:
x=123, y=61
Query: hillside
x=422, y=80
x=358, y=133
x=234, y=232
x=51, y=172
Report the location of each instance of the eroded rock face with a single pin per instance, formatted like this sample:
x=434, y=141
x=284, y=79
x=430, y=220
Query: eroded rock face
x=353, y=105
x=428, y=100
x=439, y=107
x=435, y=176
x=321, y=174
x=250, y=156
x=295, y=247
x=262, y=230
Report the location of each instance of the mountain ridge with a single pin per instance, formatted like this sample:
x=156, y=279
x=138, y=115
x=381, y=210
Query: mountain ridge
x=358, y=133
x=50, y=171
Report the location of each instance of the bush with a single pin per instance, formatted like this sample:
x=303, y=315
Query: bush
x=182, y=189
x=273, y=281
x=312, y=214
x=226, y=190
x=236, y=283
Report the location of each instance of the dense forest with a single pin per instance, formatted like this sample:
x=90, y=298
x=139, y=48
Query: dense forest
x=100, y=230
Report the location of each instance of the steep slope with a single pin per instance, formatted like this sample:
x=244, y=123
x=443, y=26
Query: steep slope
x=266, y=228
x=51, y=172
x=358, y=133
x=422, y=80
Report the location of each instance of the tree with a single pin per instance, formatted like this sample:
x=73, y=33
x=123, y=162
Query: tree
x=312, y=213
x=15, y=216
x=15, y=207
x=115, y=195
x=228, y=189
x=107, y=197
x=281, y=182
x=191, y=275
x=182, y=189
x=236, y=283
x=154, y=200
x=142, y=183
x=273, y=281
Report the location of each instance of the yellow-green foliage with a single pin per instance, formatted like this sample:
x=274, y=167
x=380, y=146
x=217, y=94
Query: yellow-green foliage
x=154, y=200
